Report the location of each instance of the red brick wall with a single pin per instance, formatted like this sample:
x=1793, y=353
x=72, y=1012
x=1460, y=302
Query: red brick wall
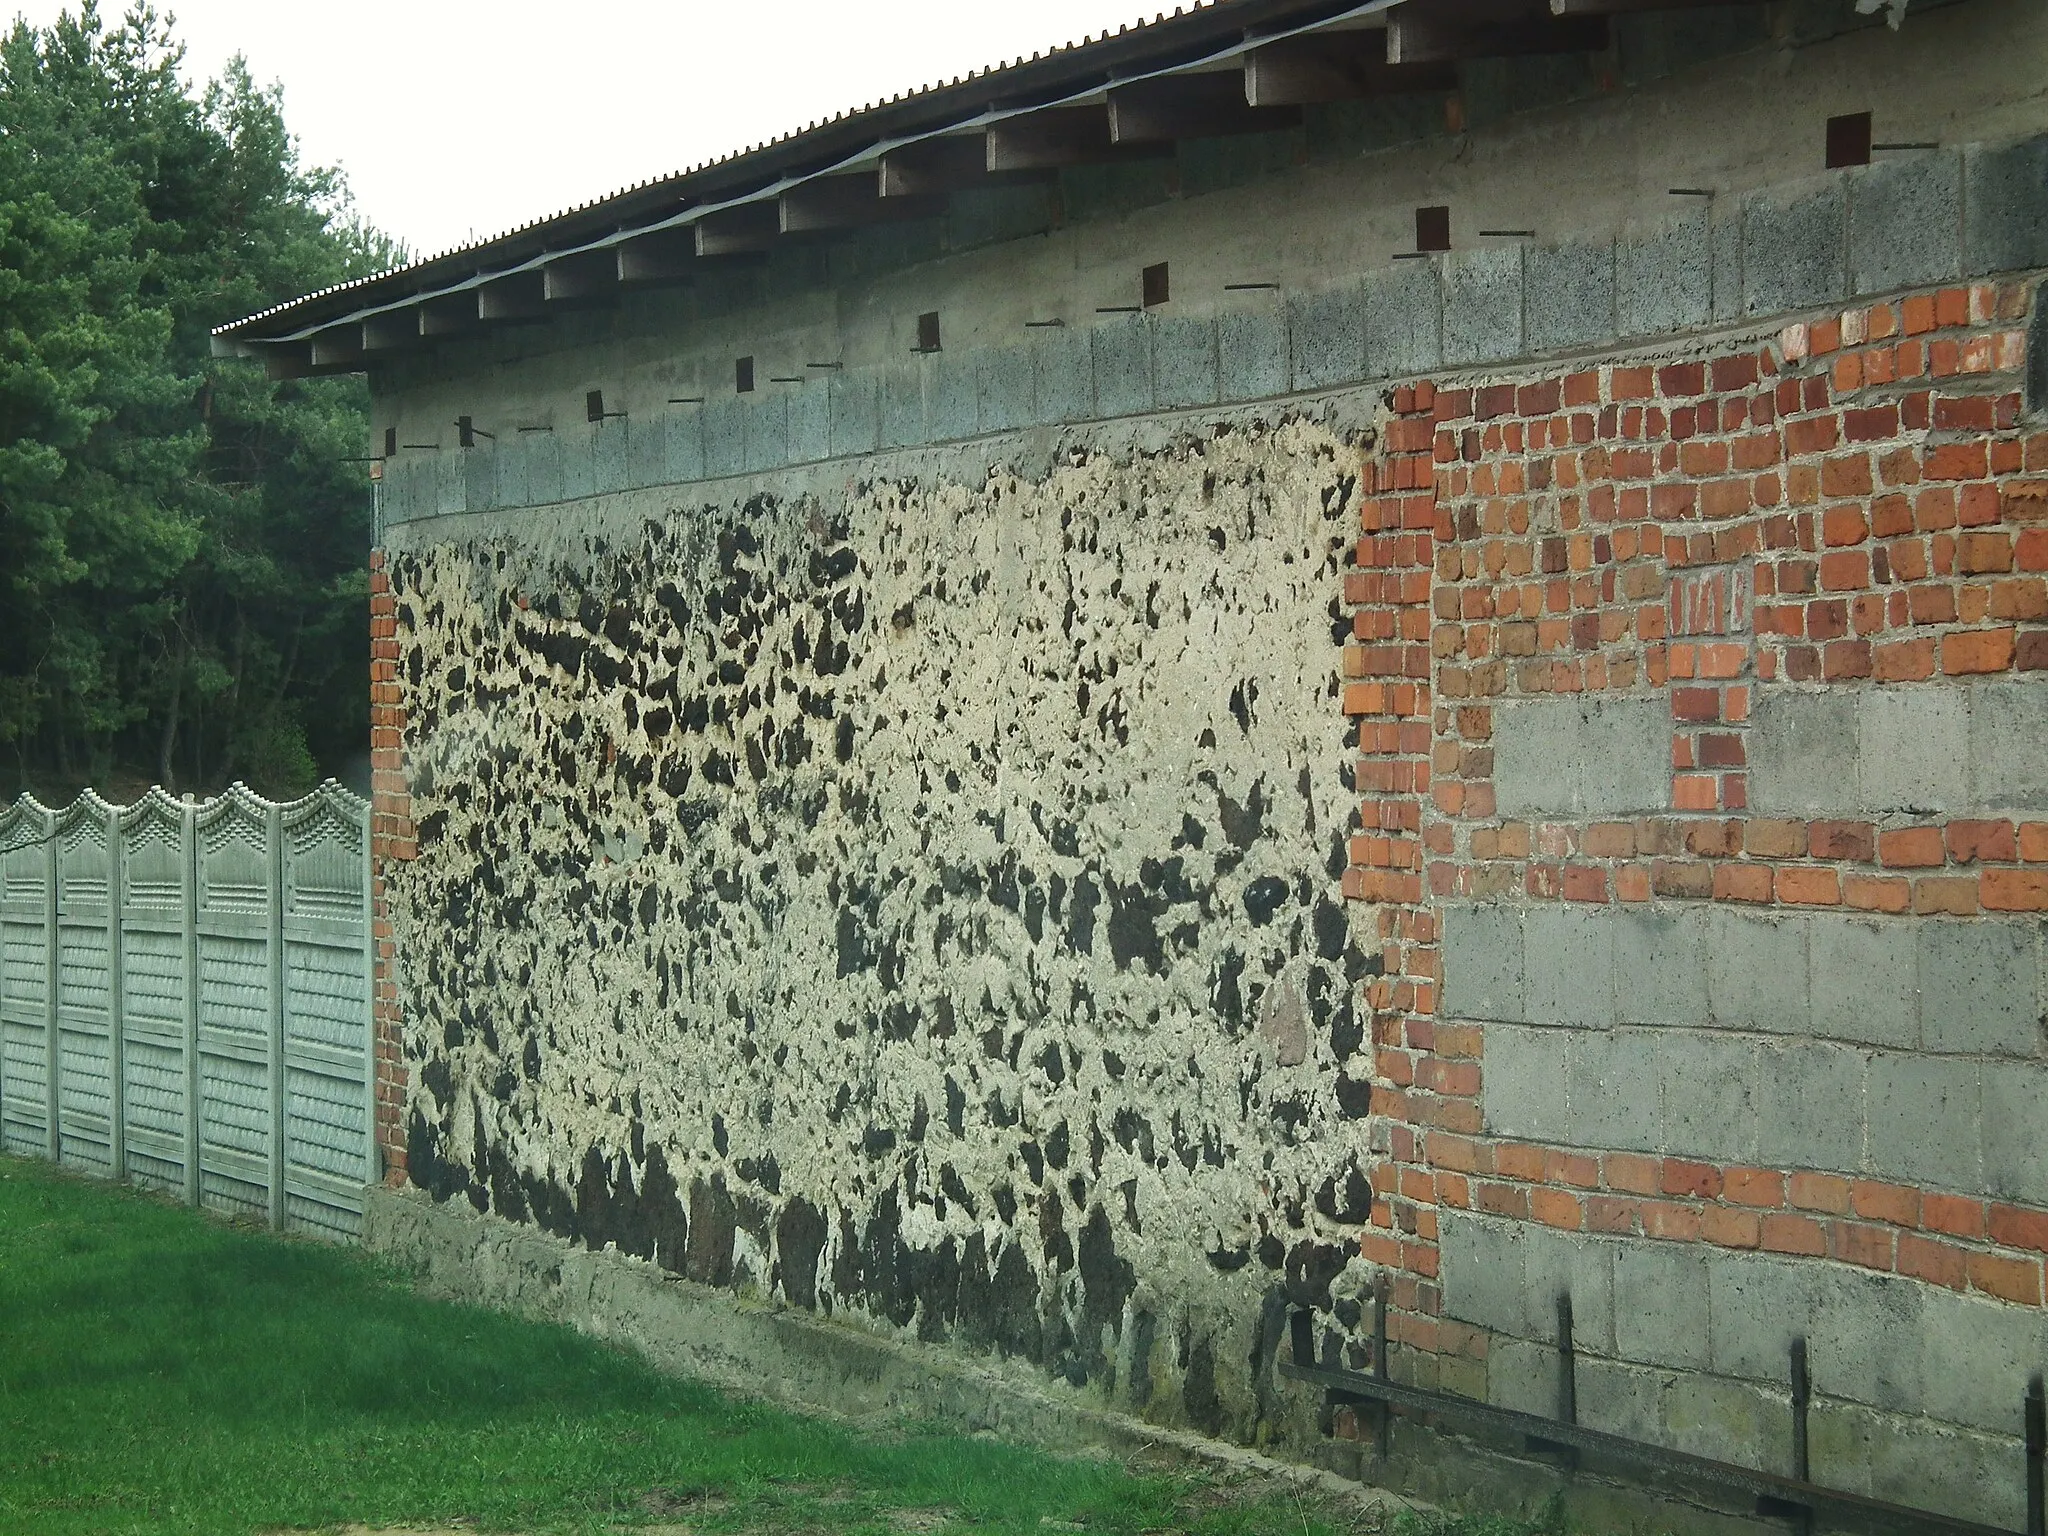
x=391, y=838
x=1871, y=475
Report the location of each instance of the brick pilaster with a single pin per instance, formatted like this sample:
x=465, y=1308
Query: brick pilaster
x=392, y=840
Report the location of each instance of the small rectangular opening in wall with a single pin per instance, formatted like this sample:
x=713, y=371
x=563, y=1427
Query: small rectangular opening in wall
x=593, y=405
x=743, y=375
x=391, y=442
x=1848, y=140
x=928, y=331
x=1156, y=288
x=1433, y=228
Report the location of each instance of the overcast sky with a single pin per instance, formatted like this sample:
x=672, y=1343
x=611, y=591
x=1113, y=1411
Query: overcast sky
x=460, y=120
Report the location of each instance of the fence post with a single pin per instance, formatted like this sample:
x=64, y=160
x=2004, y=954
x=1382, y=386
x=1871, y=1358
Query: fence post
x=273, y=838
x=117, y=1045
x=188, y=864
x=52, y=1138
x=372, y=1164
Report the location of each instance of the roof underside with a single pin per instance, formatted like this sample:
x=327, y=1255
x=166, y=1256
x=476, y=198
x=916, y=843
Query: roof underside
x=1224, y=67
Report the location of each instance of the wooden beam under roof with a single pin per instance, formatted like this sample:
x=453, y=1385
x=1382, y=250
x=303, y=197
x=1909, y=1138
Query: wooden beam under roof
x=1420, y=33
x=955, y=163
x=738, y=231
x=1200, y=106
x=1060, y=136
x=848, y=202
x=1336, y=66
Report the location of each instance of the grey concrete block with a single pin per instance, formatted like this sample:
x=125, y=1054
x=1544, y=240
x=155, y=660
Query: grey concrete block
x=451, y=486
x=2015, y=1098
x=1793, y=253
x=951, y=391
x=2005, y=207
x=1622, y=1399
x=1251, y=354
x=725, y=436
x=1615, y=1097
x=1404, y=320
x=2009, y=745
x=1757, y=970
x=1726, y=235
x=1862, y=982
x=1003, y=388
x=1556, y=1264
x=646, y=450
x=902, y=406
x=1526, y=1081
x=1183, y=360
x=766, y=418
x=1976, y=1355
x=856, y=422
x=1121, y=353
x=1327, y=331
x=1483, y=305
x=513, y=458
x=1861, y=1345
x=1522, y=1375
x=579, y=460
x=1484, y=1280
x=1809, y=1104
x=1725, y=1420
x=1482, y=962
x=543, y=468
x=1709, y=1086
x=608, y=455
x=1063, y=376
x=1922, y=1116
x=1980, y=986
x=1581, y=756
x=398, y=499
x=1906, y=222
x=1803, y=750
x=1664, y=280
x=1908, y=760
x=1568, y=296
x=1756, y=1307
x=1906, y=1458
x=1660, y=966
x=810, y=420
x=479, y=478
x=1568, y=965
x=685, y=444
x=1660, y=1304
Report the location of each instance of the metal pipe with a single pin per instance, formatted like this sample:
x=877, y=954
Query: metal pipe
x=2037, y=1458
x=1567, y=1363
x=1383, y=1428
x=1802, y=1395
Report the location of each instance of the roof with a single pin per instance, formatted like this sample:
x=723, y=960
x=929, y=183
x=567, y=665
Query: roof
x=314, y=333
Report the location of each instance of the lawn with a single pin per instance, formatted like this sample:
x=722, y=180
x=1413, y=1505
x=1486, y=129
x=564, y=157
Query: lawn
x=161, y=1371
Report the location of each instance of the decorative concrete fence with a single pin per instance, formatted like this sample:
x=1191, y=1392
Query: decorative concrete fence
x=185, y=998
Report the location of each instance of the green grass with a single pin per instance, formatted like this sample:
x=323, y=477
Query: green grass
x=164, y=1372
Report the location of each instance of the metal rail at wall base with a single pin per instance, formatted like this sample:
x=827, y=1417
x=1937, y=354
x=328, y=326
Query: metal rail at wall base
x=1796, y=1498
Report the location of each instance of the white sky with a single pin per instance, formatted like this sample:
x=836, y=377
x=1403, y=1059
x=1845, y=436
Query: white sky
x=457, y=120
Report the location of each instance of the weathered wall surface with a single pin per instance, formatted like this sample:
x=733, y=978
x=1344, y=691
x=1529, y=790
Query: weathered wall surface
x=1717, y=981
x=908, y=897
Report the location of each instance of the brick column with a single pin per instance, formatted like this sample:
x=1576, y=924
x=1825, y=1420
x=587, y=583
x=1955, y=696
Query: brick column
x=391, y=841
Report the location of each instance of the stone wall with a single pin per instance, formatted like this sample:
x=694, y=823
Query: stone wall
x=909, y=896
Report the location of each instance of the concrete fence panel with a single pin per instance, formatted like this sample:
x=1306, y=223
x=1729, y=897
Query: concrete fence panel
x=185, y=998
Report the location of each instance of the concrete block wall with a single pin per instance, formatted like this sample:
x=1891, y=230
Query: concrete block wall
x=1702, y=706
x=1929, y=217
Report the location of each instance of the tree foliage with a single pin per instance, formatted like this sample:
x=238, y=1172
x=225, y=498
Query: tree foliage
x=182, y=544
